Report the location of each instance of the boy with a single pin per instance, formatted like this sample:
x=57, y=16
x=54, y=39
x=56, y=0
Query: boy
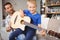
x=36, y=18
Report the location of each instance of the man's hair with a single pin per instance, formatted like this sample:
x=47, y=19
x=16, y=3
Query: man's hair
x=31, y=1
x=8, y=3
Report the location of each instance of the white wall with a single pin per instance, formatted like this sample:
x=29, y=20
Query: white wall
x=18, y=4
x=0, y=13
x=38, y=5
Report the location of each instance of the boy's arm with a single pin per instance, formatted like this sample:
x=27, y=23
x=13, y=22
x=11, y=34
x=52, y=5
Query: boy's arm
x=42, y=32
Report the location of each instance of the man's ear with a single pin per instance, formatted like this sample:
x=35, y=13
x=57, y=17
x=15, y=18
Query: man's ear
x=5, y=10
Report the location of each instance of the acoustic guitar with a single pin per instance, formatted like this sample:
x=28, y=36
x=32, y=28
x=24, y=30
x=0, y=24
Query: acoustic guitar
x=18, y=22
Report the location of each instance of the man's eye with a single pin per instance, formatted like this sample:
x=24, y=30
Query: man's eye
x=10, y=7
x=7, y=8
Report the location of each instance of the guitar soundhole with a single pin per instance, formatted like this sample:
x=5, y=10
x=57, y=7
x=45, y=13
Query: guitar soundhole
x=22, y=21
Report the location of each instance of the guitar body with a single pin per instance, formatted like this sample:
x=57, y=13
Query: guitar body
x=16, y=20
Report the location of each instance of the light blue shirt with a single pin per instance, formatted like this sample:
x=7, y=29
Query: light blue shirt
x=7, y=20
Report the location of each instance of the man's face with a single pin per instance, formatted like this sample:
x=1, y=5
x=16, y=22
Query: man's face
x=9, y=9
x=32, y=7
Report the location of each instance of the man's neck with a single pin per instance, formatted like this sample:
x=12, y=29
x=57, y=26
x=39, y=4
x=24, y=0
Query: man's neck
x=12, y=13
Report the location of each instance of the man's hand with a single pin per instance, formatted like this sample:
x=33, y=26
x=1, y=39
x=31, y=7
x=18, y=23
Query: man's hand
x=8, y=29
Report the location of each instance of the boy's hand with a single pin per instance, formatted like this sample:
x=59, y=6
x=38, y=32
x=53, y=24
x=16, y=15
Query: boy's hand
x=8, y=29
x=21, y=13
x=42, y=32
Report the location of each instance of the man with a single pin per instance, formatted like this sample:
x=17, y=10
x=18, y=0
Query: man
x=9, y=9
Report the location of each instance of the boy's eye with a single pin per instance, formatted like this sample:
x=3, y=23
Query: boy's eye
x=33, y=7
x=30, y=7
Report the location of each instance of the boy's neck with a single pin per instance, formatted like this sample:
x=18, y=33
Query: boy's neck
x=34, y=13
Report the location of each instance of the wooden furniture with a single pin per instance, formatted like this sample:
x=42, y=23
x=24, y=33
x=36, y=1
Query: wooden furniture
x=52, y=7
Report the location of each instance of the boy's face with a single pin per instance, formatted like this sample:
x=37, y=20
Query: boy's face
x=31, y=7
x=9, y=9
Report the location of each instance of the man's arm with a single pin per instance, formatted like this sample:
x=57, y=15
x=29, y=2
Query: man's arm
x=8, y=29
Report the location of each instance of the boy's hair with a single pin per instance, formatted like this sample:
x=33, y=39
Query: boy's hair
x=8, y=3
x=31, y=1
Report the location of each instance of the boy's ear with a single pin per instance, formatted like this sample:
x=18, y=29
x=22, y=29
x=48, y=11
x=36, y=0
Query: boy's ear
x=27, y=5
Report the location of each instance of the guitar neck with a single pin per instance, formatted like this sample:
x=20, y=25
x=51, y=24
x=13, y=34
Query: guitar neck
x=33, y=26
x=50, y=32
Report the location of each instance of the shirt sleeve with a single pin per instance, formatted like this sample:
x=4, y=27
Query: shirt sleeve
x=26, y=12
x=39, y=19
x=6, y=22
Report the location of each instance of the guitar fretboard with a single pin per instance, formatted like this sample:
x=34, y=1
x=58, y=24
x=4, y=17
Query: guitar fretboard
x=33, y=26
